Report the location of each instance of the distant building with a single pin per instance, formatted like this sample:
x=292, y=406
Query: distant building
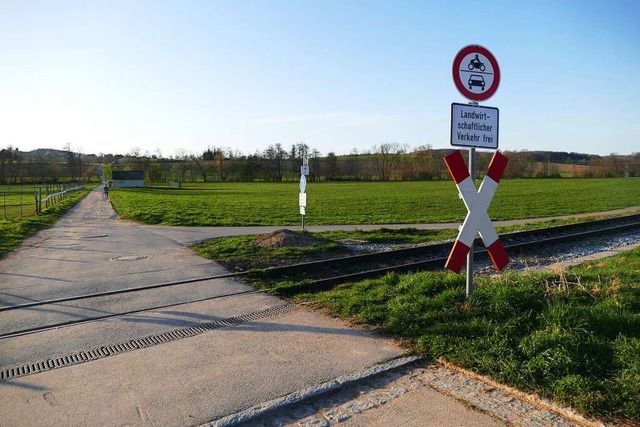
x=127, y=178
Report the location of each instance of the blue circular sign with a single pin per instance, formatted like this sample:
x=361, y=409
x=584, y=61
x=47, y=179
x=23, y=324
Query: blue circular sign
x=303, y=183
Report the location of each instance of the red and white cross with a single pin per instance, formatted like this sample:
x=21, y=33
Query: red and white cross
x=477, y=203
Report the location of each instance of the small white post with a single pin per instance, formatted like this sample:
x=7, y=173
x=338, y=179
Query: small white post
x=304, y=171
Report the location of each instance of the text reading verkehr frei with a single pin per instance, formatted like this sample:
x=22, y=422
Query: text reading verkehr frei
x=474, y=126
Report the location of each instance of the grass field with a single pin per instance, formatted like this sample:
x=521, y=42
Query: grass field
x=234, y=204
x=573, y=337
x=14, y=230
x=17, y=201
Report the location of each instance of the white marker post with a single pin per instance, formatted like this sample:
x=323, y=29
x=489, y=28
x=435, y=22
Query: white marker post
x=304, y=172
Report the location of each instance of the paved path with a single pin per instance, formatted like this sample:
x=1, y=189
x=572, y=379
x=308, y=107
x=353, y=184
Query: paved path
x=186, y=381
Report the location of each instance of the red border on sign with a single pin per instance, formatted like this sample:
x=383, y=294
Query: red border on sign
x=474, y=48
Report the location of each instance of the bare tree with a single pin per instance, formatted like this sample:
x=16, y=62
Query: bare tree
x=218, y=161
x=423, y=162
x=634, y=165
x=386, y=155
x=293, y=157
x=280, y=154
x=353, y=168
x=201, y=166
x=315, y=165
x=333, y=171
x=71, y=161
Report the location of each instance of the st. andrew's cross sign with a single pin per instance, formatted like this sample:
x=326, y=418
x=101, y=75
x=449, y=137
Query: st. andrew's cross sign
x=477, y=203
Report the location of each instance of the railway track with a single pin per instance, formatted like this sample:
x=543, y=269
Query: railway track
x=323, y=274
x=434, y=256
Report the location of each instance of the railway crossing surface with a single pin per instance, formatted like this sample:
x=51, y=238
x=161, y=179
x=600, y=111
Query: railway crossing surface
x=248, y=348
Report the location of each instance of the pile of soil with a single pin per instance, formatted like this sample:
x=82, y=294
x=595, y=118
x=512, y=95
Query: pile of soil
x=286, y=238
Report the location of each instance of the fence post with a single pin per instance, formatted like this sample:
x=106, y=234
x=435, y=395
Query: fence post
x=21, y=192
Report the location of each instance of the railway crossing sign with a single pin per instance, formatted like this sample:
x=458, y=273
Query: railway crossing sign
x=476, y=73
x=477, y=203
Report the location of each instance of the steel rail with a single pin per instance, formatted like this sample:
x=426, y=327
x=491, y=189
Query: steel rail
x=421, y=250
x=118, y=291
x=438, y=262
x=112, y=315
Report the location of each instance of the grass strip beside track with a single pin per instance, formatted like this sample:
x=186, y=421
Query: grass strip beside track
x=241, y=253
x=238, y=204
x=572, y=336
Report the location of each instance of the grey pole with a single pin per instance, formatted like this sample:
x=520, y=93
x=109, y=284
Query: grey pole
x=472, y=172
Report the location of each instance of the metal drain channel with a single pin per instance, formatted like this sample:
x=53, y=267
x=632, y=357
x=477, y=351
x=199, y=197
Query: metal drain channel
x=136, y=344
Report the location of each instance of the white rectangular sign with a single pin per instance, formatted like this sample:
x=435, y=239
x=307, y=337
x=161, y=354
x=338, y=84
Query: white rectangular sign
x=302, y=210
x=303, y=200
x=304, y=170
x=474, y=126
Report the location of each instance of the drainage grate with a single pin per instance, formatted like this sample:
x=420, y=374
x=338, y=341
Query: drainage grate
x=150, y=341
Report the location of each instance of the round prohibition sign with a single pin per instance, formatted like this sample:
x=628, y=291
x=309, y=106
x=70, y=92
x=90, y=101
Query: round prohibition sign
x=476, y=73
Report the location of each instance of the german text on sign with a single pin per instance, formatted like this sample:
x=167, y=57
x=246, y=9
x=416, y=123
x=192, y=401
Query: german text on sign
x=477, y=203
x=474, y=126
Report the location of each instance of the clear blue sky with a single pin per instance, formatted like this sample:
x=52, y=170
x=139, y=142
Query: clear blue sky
x=180, y=76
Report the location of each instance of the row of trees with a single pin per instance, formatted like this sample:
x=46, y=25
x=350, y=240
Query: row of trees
x=18, y=168
x=384, y=162
x=276, y=164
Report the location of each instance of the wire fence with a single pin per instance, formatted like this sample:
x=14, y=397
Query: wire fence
x=25, y=201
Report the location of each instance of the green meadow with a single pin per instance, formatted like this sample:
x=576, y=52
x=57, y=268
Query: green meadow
x=17, y=201
x=571, y=336
x=237, y=204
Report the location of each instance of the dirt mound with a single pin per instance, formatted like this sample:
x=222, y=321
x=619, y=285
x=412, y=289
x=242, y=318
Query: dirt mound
x=288, y=238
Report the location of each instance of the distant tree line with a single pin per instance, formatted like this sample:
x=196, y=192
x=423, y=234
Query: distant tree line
x=45, y=166
x=276, y=163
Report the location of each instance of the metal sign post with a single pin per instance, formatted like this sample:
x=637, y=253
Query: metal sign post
x=472, y=172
